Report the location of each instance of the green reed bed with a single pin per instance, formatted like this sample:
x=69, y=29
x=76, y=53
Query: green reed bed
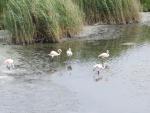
x=2, y=6
x=2, y=9
x=146, y=5
x=32, y=21
x=110, y=11
x=18, y=20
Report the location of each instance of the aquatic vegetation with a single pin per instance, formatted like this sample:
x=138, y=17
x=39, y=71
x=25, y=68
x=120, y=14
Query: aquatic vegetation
x=41, y=21
x=2, y=8
x=146, y=5
x=31, y=21
x=18, y=20
x=110, y=11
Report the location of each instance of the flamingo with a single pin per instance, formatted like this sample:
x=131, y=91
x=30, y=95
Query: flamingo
x=69, y=52
x=104, y=55
x=9, y=63
x=54, y=53
x=98, y=67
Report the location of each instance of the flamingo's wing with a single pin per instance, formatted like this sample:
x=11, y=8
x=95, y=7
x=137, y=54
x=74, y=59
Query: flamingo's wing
x=53, y=53
x=102, y=54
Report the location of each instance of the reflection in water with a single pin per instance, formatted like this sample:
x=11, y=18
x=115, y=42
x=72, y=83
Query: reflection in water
x=128, y=44
x=99, y=77
x=36, y=85
x=69, y=67
x=100, y=70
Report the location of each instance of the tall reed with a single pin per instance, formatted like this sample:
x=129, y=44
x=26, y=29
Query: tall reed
x=18, y=20
x=110, y=11
x=2, y=9
x=2, y=6
x=146, y=5
x=32, y=21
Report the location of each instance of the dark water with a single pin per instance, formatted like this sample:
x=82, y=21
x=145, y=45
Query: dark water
x=39, y=85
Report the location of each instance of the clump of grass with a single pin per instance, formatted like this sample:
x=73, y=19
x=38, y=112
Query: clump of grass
x=146, y=5
x=110, y=11
x=2, y=6
x=57, y=18
x=2, y=9
x=18, y=20
x=45, y=19
x=70, y=17
x=32, y=21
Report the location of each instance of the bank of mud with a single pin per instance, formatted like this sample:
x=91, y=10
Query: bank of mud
x=100, y=32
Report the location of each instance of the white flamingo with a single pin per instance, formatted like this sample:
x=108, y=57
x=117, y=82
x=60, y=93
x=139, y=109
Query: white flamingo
x=9, y=63
x=104, y=55
x=98, y=67
x=69, y=52
x=54, y=53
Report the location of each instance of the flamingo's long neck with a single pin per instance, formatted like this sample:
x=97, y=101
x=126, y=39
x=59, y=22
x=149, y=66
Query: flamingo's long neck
x=70, y=51
x=107, y=52
x=59, y=52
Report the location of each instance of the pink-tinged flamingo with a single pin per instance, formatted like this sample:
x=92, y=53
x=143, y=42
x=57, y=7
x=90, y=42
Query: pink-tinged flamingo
x=9, y=63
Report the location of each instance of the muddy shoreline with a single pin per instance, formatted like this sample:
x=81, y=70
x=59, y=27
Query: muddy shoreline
x=100, y=32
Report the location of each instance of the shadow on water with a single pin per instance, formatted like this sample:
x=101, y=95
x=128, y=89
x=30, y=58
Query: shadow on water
x=40, y=85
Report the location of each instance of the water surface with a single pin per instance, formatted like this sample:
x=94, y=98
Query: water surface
x=40, y=85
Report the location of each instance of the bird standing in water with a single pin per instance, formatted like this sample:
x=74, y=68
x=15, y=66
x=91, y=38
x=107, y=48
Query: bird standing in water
x=104, y=55
x=54, y=53
x=69, y=52
x=9, y=63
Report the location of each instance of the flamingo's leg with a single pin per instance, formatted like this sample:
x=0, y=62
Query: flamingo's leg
x=98, y=72
x=13, y=66
x=8, y=67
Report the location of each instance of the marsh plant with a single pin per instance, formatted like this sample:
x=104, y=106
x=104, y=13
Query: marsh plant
x=2, y=9
x=42, y=20
x=31, y=21
x=146, y=5
x=110, y=11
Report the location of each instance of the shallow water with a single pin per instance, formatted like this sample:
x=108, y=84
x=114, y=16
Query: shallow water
x=40, y=85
